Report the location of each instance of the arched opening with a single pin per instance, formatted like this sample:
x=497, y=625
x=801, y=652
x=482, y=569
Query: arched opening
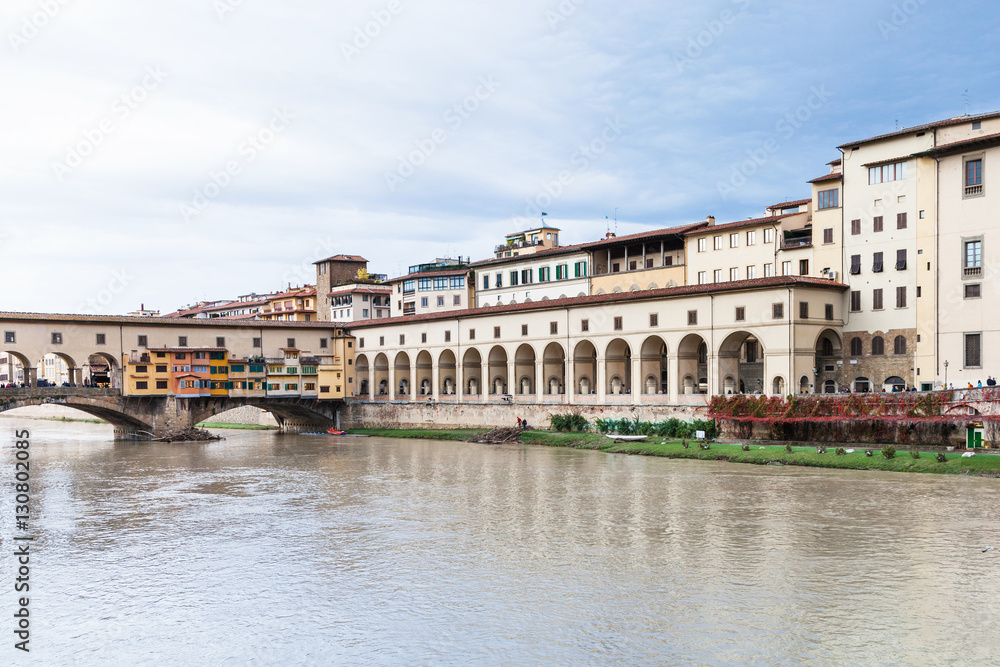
x=446, y=372
x=472, y=371
x=585, y=368
x=524, y=369
x=692, y=365
x=102, y=371
x=805, y=387
x=742, y=359
x=381, y=378
x=618, y=367
x=862, y=385
x=778, y=386
x=401, y=368
x=894, y=383
x=498, y=370
x=654, y=365
x=554, y=369
x=362, y=373
x=424, y=374
x=13, y=368
x=56, y=370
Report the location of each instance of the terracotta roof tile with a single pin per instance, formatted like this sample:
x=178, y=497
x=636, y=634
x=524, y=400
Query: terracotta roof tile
x=789, y=204
x=161, y=321
x=342, y=258
x=827, y=177
x=959, y=146
x=958, y=120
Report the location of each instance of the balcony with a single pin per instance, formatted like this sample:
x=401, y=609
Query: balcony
x=310, y=361
x=972, y=271
x=516, y=246
x=974, y=190
x=139, y=359
x=793, y=243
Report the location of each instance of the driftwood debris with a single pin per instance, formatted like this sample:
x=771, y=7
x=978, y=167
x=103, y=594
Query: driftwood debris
x=186, y=435
x=500, y=436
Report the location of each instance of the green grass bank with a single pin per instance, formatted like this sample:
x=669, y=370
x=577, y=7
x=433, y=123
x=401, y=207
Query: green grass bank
x=981, y=464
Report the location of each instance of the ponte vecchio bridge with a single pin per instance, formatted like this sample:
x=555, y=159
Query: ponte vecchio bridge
x=146, y=389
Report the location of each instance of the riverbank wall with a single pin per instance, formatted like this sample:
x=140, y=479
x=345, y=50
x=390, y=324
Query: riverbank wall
x=428, y=414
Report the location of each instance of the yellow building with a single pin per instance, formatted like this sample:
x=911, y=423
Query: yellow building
x=295, y=305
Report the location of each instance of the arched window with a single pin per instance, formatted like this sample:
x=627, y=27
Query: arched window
x=878, y=346
x=827, y=347
x=899, y=345
x=855, y=347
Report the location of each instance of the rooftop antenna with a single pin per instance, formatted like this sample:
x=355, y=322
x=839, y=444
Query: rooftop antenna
x=966, y=96
x=542, y=218
x=616, y=221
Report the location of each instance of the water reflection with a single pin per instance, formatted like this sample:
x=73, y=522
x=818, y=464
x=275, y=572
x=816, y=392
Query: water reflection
x=303, y=549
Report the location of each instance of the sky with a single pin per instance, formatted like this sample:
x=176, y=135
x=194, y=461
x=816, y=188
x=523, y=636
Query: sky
x=166, y=153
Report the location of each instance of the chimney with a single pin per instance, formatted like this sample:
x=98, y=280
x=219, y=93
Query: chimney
x=609, y=235
x=710, y=220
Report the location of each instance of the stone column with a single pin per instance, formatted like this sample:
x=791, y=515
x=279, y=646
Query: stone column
x=540, y=380
x=512, y=387
x=76, y=377
x=371, y=381
x=602, y=380
x=30, y=376
x=713, y=375
x=413, y=379
x=569, y=380
x=673, y=377
x=459, y=382
x=638, y=382
x=392, y=381
x=435, y=378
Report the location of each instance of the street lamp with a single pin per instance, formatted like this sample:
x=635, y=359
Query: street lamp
x=945, y=374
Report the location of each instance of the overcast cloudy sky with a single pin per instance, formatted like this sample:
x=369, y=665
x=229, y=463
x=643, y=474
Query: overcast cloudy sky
x=167, y=152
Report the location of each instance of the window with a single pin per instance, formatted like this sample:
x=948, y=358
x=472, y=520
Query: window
x=257, y=342
x=886, y=173
x=855, y=347
x=901, y=296
x=974, y=177
x=101, y=339
x=717, y=276
x=440, y=301
x=899, y=345
x=856, y=301
x=180, y=356
x=56, y=338
x=751, y=238
x=182, y=341
x=901, y=221
x=513, y=278
x=584, y=325
x=828, y=235
x=472, y=334
x=649, y=262
x=855, y=264
x=692, y=317
x=457, y=282
x=381, y=341
x=702, y=277
x=741, y=313
x=803, y=267
x=440, y=283
x=142, y=340
x=631, y=266
x=878, y=346
x=581, y=269
x=361, y=342
x=973, y=291
x=289, y=342
x=409, y=286
x=618, y=324
x=972, y=262
x=142, y=385
x=877, y=263
x=402, y=339
x=499, y=280
x=768, y=270
x=734, y=274
x=877, y=225
x=734, y=240
x=786, y=268
x=220, y=341
x=828, y=199
x=141, y=369
x=10, y=337
x=423, y=338
x=162, y=369
x=717, y=242
x=973, y=350
x=778, y=311
x=524, y=329
x=751, y=272
x=553, y=328
x=526, y=276
x=654, y=319
x=877, y=299
x=901, y=259
x=804, y=310
x=918, y=291
x=855, y=227
x=769, y=235
x=828, y=311
x=496, y=332
x=701, y=245
x=161, y=384
x=486, y=282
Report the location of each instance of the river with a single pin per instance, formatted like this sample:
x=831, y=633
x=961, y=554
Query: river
x=294, y=549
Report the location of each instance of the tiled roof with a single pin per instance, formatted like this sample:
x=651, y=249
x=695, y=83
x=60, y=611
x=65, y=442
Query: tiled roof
x=827, y=177
x=740, y=223
x=432, y=274
x=664, y=292
x=160, y=321
x=548, y=252
x=309, y=290
x=901, y=158
x=960, y=146
x=342, y=258
x=789, y=204
x=958, y=120
x=667, y=231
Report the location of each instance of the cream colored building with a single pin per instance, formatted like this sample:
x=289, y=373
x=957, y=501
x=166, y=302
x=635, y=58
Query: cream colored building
x=441, y=286
x=528, y=242
x=554, y=273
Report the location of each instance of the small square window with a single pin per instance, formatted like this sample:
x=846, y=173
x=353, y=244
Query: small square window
x=447, y=336
x=322, y=343
x=584, y=325
x=496, y=332
x=973, y=291
x=553, y=328
x=10, y=337
x=654, y=319
x=182, y=341
x=381, y=341
x=290, y=342
x=472, y=334
x=618, y=324
x=257, y=342
x=56, y=338
x=402, y=339
x=423, y=338
x=741, y=313
x=524, y=329
x=778, y=311
x=692, y=317
x=102, y=339
x=829, y=311
x=855, y=227
x=220, y=341
x=804, y=310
